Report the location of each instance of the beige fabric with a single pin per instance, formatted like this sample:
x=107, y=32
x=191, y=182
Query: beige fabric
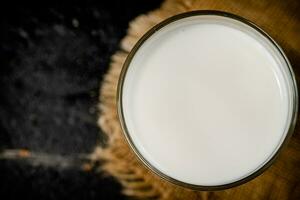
x=281, y=20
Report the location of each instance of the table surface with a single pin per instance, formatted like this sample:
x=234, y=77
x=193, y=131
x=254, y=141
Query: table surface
x=52, y=59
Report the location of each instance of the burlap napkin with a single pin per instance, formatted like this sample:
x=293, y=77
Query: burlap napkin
x=281, y=19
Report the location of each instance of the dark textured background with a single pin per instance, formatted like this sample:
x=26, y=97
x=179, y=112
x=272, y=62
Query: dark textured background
x=52, y=59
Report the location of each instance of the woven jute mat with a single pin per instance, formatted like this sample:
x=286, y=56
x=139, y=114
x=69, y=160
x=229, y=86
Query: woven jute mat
x=281, y=20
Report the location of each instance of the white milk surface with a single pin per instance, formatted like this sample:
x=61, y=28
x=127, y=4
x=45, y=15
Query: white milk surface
x=205, y=100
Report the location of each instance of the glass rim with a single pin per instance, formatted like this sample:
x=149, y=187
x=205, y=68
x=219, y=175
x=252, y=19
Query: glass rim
x=145, y=162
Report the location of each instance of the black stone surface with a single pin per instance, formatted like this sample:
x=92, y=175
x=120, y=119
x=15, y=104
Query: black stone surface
x=52, y=58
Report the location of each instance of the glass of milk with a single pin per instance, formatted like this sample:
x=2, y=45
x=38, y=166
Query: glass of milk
x=207, y=100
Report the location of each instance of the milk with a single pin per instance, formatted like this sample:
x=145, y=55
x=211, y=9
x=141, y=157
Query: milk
x=206, y=101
